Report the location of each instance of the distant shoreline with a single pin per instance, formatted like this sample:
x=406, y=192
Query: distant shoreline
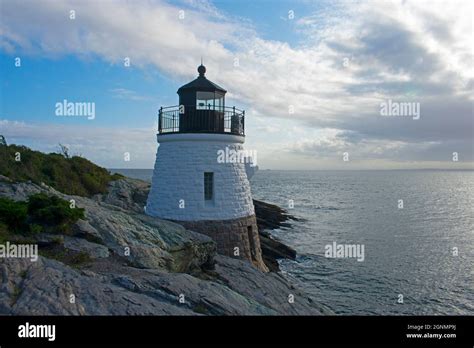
x=340, y=170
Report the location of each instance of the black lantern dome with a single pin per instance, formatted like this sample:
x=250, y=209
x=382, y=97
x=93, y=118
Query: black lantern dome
x=200, y=84
x=202, y=109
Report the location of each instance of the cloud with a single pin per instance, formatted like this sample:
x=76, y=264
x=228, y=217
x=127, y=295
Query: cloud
x=123, y=93
x=353, y=57
x=104, y=146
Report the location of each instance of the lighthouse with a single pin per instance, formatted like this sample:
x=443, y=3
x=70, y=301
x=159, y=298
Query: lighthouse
x=193, y=184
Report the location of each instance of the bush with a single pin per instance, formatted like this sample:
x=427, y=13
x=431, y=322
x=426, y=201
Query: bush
x=13, y=214
x=40, y=213
x=4, y=233
x=71, y=175
x=52, y=211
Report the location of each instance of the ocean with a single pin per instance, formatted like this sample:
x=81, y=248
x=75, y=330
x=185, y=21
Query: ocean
x=416, y=228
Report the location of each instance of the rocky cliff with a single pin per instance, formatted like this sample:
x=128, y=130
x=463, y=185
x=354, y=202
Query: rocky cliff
x=119, y=261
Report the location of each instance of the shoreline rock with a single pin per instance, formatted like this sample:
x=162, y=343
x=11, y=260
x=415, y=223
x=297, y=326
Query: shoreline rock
x=165, y=261
x=270, y=217
x=131, y=194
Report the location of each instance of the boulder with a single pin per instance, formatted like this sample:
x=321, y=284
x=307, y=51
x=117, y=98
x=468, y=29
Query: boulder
x=108, y=287
x=95, y=251
x=127, y=193
x=144, y=242
x=45, y=288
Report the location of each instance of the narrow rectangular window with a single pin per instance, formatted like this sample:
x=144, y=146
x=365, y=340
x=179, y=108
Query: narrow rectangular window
x=208, y=186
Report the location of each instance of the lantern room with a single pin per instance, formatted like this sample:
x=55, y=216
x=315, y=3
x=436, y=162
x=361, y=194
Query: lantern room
x=202, y=93
x=201, y=109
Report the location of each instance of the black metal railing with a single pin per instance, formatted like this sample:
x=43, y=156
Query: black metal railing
x=189, y=119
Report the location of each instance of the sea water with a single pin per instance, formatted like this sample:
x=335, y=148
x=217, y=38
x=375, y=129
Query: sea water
x=416, y=228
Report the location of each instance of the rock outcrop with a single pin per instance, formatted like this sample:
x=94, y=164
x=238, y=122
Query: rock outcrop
x=144, y=241
x=270, y=217
x=136, y=265
x=131, y=194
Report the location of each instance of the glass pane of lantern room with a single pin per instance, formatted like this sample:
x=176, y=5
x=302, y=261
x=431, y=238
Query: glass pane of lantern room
x=204, y=100
x=219, y=102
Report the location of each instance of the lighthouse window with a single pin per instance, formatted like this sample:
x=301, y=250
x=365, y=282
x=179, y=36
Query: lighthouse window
x=205, y=100
x=208, y=186
x=209, y=101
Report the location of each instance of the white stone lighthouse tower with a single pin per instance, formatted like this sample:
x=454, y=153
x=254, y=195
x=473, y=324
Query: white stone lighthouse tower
x=191, y=185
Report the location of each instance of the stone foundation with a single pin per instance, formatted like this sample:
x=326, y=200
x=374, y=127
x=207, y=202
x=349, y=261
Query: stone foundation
x=236, y=238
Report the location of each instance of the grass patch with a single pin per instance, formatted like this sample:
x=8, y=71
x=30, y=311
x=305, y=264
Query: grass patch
x=69, y=257
x=201, y=309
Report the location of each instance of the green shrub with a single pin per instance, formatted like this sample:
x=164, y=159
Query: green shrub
x=4, y=233
x=41, y=213
x=71, y=175
x=13, y=214
x=35, y=228
x=53, y=212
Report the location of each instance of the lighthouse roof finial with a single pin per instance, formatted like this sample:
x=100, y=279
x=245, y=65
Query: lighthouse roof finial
x=201, y=69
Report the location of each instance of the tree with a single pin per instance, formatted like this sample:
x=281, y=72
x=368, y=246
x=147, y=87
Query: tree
x=64, y=150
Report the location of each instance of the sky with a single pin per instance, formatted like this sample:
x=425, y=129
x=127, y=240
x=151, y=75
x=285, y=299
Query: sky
x=313, y=77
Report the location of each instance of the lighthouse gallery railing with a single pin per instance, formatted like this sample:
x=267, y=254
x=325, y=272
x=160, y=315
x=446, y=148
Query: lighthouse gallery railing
x=189, y=119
